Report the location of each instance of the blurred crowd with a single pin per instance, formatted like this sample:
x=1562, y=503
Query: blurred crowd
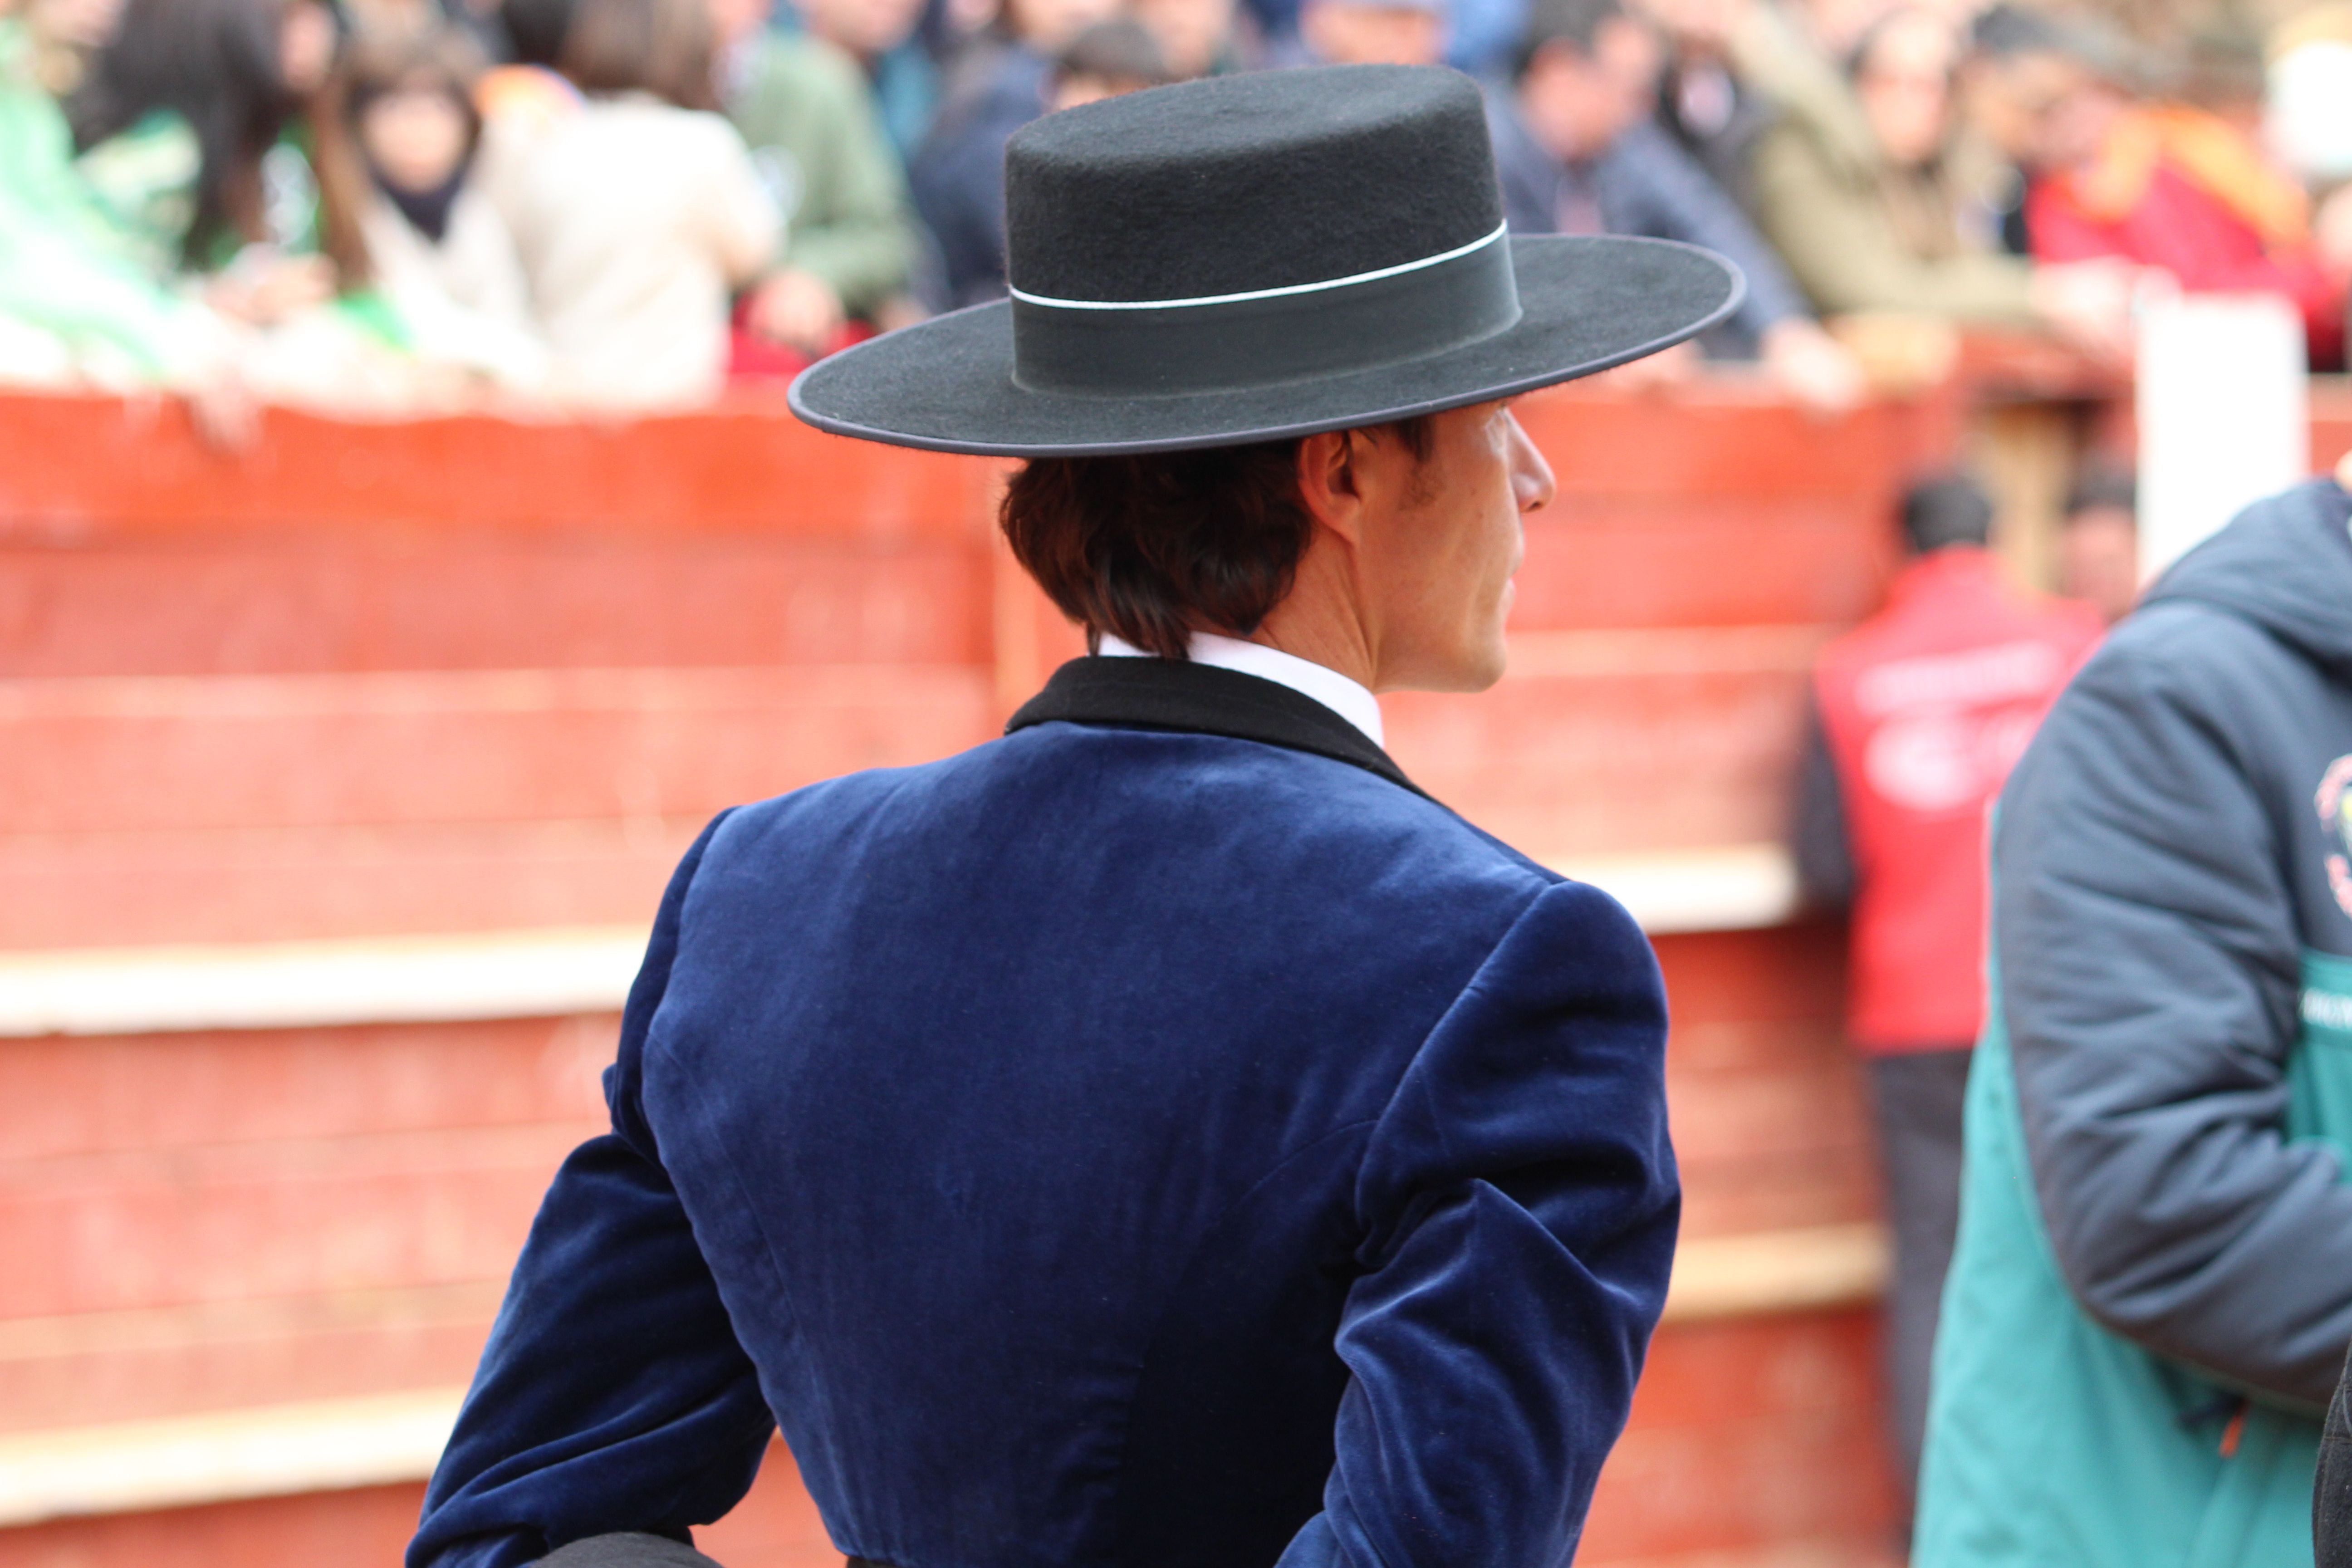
x=382, y=207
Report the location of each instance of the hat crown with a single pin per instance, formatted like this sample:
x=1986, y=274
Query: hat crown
x=1241, y=183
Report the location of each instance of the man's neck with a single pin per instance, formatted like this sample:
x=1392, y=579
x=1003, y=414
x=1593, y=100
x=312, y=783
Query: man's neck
x=1319, y=621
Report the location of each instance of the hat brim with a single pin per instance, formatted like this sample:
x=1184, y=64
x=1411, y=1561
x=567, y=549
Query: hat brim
x=1587, y=303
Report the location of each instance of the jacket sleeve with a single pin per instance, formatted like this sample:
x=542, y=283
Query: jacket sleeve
x=2150, y=965
x=1845, y=253
x=855, y=229
x=1519, y=1199
x=1663, y=193
x=739, y=214
x=2331, y=1486
x=1818, y=837
x=612, y=1394
x=958, y=187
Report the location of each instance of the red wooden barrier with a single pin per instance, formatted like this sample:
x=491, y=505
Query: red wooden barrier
x=464, y=676
x=2331, y=421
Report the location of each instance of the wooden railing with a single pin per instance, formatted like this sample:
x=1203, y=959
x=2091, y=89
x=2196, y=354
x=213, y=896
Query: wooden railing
x=342, y=777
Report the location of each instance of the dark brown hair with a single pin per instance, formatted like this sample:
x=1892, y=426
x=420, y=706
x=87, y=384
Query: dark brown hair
x=342, y=174
x=661, y=47
x=1149, y=548
x=1118, y=50
x=392, y=58
x=428, y=57
x=216, y=64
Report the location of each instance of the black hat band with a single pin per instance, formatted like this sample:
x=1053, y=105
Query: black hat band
x=1167, y=348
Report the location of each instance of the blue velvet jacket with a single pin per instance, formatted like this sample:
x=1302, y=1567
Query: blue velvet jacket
x=1160, y=1136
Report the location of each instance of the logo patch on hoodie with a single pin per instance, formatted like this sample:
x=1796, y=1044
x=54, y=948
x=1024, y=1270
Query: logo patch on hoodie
x=2335, y=803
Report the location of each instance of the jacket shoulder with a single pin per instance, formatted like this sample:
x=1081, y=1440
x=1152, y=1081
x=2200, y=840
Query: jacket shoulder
x=1270, y=806
x=2190, y=656
x=807, y=76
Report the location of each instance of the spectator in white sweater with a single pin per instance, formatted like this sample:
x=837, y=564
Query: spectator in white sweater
x=637, y=215
x=439, y=251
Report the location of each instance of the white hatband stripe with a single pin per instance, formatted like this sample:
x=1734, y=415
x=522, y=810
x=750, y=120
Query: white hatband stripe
x=1402, y=266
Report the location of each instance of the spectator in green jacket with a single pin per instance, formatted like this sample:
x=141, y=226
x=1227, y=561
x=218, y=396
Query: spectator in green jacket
x=76, y=310
x=70, y=288
x=807, y=113
x=201, y=134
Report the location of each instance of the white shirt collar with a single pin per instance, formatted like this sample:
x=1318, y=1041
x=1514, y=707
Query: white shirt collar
x=1344, y=697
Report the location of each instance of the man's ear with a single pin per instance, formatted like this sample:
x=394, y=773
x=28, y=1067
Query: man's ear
x=1328, y=482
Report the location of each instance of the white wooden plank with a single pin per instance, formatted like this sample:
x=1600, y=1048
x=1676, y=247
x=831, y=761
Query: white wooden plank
x=135, y=1467
x=1739, y=886
x=1799, y=1270
x=267, y=985
x=587, y=969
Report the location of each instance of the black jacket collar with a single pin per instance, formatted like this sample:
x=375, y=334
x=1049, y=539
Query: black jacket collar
x=1201, y=699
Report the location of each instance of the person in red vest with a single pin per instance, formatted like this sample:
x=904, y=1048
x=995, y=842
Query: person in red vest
x=1919, y=713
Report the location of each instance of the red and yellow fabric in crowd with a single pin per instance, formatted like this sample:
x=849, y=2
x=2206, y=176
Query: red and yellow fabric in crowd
x=2185, y=190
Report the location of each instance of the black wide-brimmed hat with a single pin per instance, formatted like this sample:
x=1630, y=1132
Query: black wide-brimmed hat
x=1257, y=257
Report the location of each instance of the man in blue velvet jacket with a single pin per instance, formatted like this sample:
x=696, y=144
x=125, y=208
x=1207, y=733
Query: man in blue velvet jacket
x=1162, y=1136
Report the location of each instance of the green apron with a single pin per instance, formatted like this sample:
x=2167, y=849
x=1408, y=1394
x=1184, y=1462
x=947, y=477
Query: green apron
x=2054, y=1443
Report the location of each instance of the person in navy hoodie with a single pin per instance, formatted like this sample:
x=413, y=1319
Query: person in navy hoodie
x=1163, y=1136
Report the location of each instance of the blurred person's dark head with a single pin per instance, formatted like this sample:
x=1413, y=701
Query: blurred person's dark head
x=2098, y=546
x=2045, y=94
x=1109, y=60
x=2006, y=30
x=1374, y=32
x=1196, y=37
x=866, y=30
x=238, y=72
x=2004, y=76
x=664, y=47
x=1946, y=512
x=1587, y=72
x=1903, y=72
x=1049, y=27
x=2093, y=90
x=408, y=103
x=535, y=29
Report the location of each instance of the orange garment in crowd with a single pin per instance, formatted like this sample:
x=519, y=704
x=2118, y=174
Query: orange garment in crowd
x=531, y=94
x=2181, y=190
